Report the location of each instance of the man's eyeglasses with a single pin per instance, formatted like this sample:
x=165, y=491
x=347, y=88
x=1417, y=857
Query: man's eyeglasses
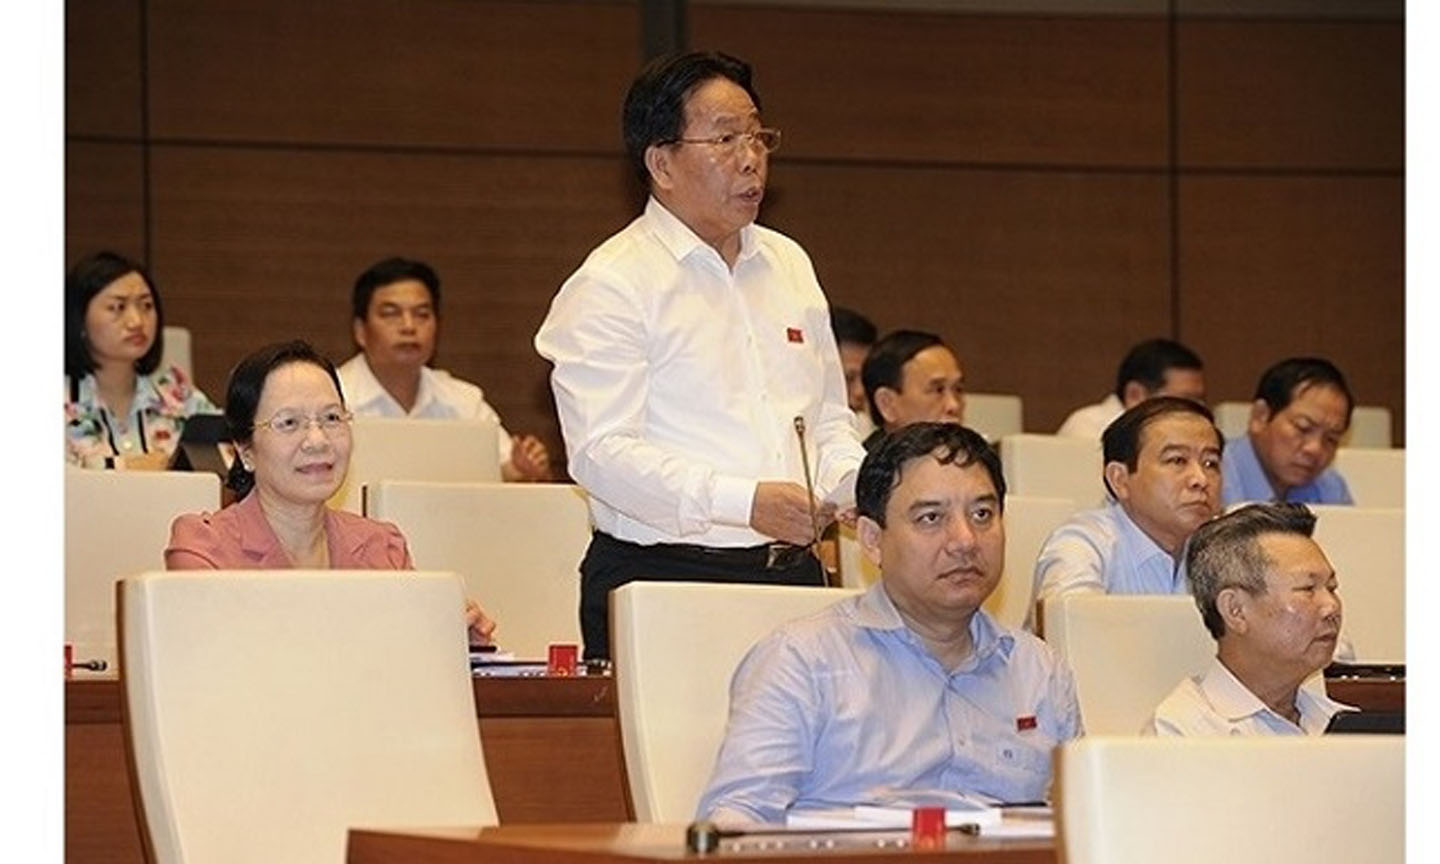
x=291, y=422
x=731, y=142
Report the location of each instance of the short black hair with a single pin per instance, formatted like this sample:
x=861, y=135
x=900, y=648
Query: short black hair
x=950, y=443
x=87, y=278
x=1147, y=363
x=850, y=326
x=654, y=111
x=1121, y=439
x=388, y=272
x=247, y=383
x=884, y=365
x=1281, y=383
x=1225, y=553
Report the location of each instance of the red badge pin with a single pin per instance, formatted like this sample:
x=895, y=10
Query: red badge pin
x=794, y=334
x=1024, y=723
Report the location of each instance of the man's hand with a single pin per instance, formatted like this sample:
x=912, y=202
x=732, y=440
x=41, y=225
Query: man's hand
x=529, y=461
x=782, y=511
x=482, y=628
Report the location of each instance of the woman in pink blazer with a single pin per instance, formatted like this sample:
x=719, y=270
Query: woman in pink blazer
x=291, y=430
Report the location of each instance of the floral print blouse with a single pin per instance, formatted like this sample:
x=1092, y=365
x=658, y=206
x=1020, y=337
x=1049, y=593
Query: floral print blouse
x=151, y=425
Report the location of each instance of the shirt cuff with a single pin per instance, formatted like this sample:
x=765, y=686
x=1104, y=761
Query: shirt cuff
x=731, y=499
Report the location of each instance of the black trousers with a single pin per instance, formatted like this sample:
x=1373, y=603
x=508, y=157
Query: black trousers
x=610, y=563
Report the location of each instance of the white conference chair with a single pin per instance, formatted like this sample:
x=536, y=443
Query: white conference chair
x=517, y=546
x=384, y=448
x=1370, y=425
x=1366, y=546
x=1376, y=477
x=267, y=713
x=1127, y=652
x=1051, y=466
x=856, y=570
x=177, y=350
x=1263, y=800
x=994, y=415
x=118, y=523
x=675, y=647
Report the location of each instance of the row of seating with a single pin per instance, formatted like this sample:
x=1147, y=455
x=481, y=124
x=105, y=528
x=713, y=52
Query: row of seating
x=317, y=731
x=518, y=547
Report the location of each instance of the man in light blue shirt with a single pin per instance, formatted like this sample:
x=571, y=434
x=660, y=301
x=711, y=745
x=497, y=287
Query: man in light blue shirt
x=1301, y=411
x=910, y=688
x=1162, y=469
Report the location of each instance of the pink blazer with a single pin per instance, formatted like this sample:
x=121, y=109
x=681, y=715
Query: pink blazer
x=239, y=538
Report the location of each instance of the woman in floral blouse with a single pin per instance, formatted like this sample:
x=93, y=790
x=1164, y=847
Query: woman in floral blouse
x=121, y=409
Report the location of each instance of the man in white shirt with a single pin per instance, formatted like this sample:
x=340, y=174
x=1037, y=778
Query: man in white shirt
x=396, y=306
x=1155, y=367
x=854, y=335
x=1269, y=597
x=695, y=375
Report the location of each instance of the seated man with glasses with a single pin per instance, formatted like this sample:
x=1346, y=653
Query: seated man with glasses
x=292, y=439
x=697, y=380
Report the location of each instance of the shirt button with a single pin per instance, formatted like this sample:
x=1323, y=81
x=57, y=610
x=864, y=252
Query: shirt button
x=128, y=445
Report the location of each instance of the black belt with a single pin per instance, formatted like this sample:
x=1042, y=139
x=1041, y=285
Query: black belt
x=770, y=556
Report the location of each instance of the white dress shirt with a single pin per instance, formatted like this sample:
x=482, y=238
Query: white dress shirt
x=677, y=381
x=441, y=396
x=1216, y=703
x=1090, y=421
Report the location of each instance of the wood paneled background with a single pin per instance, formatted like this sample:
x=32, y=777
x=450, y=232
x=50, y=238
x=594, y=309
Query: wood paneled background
x=1041, y=189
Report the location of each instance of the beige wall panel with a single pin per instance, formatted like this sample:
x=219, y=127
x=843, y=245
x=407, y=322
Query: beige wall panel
x=104, y=199
x=102, y=68
x=534, y=75
x=1272, y=267
x=1298, y=94
x=1039, y=280
x=259, y=245
x=938, y=87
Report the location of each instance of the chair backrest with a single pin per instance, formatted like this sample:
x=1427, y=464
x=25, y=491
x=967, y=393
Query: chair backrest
x=1370, y=425
x=1127, y=651
x=517, y=546
x=1376, y=477
x=675, y=647
x=384, y=448
x=994, y=415
x=856, y=571
x=1366, y=546
x=1255, y=800
x=267, y=713
x=177, y=350
x=117, y=523
x=1051, y=466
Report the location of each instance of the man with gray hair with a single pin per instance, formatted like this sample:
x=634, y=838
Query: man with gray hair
x=1270, y=598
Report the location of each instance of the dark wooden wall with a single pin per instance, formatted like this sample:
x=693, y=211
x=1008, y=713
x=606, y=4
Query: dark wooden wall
x=1043, y=190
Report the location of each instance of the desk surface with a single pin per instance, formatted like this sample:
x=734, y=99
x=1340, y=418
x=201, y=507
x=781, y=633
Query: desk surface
x=647, y=844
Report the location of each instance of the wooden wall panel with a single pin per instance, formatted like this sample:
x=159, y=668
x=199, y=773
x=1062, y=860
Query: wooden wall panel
x=102, y=68
x=104, y=199
x=1272, y=267
x=1297, y=94
x=944, y=87
x=255, y=245
x=1040, y=280
x=538, y=76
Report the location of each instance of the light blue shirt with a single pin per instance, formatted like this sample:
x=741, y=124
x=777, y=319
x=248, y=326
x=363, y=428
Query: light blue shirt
x=848, y=706
x=1245, y=480
x=1104, y=551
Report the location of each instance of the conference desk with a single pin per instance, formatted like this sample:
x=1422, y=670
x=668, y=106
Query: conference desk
x=552, y=750
x=649, y=844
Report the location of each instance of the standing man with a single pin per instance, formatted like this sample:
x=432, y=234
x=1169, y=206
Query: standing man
x=1301, y=411
x=911, y=376
x=1155, y=367
x=396, y=306
x=688, y=349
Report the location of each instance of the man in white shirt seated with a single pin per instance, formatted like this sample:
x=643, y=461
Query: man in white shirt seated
x=854, y=335
x=1269, y=597
x=911, y=376
x=911, y=687
x=396, y=306
x=1162, y=469
x=1155, y=367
